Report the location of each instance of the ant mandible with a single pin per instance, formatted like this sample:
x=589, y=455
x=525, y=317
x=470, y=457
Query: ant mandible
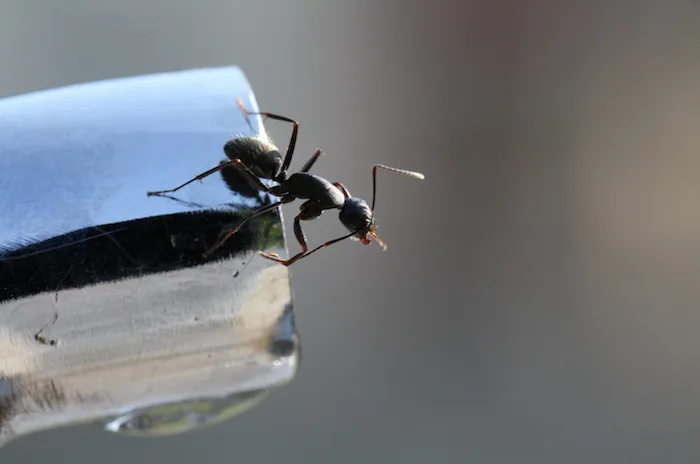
x=262, y=160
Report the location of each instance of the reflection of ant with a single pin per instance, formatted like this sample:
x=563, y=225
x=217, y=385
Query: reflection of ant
x=43, y=340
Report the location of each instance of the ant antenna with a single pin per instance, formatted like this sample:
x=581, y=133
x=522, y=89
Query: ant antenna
x=417, y=175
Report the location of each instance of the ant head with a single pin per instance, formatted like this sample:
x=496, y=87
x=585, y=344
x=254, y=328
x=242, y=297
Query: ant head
x=358, y=217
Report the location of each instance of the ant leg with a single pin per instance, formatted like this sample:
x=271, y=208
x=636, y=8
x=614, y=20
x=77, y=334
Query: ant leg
x=304, y=255
x=312, y=160
x=244, y=110
x=292, y=140
x=309, y=211
x=199, y=177
x=342, y=189
x=250, y=176
x=228, y=234
x=301, y=238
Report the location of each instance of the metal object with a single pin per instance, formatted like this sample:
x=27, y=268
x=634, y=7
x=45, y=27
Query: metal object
x=184, y=416
x=107, y=307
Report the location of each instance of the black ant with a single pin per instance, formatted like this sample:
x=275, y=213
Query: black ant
x=260, y=156
x=320, y=195
x=255, y=157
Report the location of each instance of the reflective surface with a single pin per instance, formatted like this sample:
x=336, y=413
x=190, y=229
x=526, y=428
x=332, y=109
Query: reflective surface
x=106, y=303
x=169, y=419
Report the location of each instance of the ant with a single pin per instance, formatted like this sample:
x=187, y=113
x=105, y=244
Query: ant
x=259, y=155
x=258, y=159
x=320, y=195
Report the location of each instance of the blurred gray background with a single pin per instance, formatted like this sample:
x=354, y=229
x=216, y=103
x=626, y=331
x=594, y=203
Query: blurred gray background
x=539, y=298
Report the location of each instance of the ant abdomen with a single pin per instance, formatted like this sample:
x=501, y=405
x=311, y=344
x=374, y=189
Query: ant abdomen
x=261, y=157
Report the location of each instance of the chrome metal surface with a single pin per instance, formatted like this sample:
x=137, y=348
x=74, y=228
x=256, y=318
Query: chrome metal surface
x=179, y=417
x=106, y=303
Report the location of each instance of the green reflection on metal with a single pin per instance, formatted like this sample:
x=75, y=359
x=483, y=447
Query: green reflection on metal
x=175, y=418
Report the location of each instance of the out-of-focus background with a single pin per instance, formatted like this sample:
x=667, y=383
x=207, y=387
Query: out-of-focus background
x=539, y=300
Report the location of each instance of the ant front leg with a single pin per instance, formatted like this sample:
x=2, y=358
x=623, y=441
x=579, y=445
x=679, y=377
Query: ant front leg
x=304, y=255
x=309, y=211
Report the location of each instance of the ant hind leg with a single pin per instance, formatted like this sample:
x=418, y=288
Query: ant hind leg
x=292, y=140
x=198, y=177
